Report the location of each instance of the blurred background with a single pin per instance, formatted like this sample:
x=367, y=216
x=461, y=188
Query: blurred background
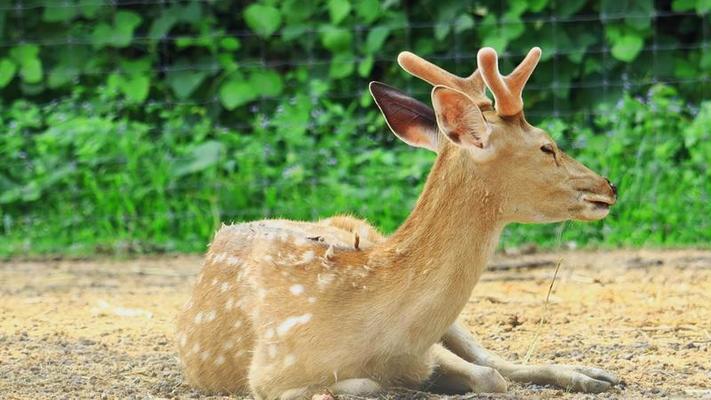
x=138, y=126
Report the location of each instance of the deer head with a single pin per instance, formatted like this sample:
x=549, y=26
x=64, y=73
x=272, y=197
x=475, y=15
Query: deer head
x=534, y=180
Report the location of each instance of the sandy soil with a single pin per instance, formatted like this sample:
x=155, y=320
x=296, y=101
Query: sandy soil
x=103, y=329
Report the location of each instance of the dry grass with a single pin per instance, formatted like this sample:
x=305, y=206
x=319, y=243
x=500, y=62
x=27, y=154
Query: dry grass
x=103, y=328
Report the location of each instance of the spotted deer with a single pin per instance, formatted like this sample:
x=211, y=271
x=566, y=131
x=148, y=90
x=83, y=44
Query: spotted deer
x=285, y=309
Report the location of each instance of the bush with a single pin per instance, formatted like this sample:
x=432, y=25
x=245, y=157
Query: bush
x=78, y=178
x=230, y=56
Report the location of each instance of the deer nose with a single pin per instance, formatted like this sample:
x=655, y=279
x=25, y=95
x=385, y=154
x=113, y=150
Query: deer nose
x=612, y=186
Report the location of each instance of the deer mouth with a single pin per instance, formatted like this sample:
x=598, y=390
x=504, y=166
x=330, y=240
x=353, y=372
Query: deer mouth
x=600, y=205
x=599, y=202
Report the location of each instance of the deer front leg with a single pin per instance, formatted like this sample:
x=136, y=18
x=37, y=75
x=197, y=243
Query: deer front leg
x=580, y=379
x=454, y=375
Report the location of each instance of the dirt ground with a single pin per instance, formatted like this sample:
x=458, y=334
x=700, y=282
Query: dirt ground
x=103, y=329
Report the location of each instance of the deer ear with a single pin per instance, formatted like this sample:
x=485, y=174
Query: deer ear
x=459, y=118
x=410, y=120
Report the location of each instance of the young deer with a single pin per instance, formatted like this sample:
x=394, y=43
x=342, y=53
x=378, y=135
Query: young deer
x=285, y=309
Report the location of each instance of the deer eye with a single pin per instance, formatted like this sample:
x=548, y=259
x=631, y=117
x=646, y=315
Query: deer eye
x=548, y=149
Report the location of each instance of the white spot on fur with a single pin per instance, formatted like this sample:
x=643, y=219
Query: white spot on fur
x=296, y=289
x=196, y=348
x=267, y=258
x=262, y=293
x=272, y=351
x=205, y=355
x=219, y=360
x=307, y=257
x=269, y=333
x=229, y=303
x=198, y=317
x=238, y=324
x=233, y=261
x=289, y=360
x=324, y=280
x=210, y=316
x=214, y=281
x=225, y=287
x=291, y=322
x=228, y=345
x=188, y=305
x=183, y=338
x=300, y=241
x=312, y=300
x=220, y=258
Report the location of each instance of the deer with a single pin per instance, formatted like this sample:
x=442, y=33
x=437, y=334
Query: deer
x=287, y=309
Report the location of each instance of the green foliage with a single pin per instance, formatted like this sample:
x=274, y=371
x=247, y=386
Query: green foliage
x=198, y=51
x=75, y=178
x=139, y=126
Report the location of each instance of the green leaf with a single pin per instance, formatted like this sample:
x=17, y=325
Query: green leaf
x=627, y=47
x=538, y=5
x=125, y=22
x=7, y=71
x=30, y=66
x=204, y=156
x=569, y=7
x=441, y=30
x=376, y=38
x=135, y=88
x=61, y=75
x=266, y=83
x=262, y=19
x=336, y=39
x=342, y=65
x=705, y=61
x=101, y=35
x=463, y=23
x=338, y=9
x=292, y=32
x=236, y=92
x=639, y=14
x=511, y=26
x=62, y=12
x=229, y=43
x=365, y=66
x=135, y=66
x=184, y=82
x=683, y=5
x=614, y=7
x=24, y=52
x=89, y=8
x=368, y=10
x=161, y=26
x=118, y=35
x=703, y=6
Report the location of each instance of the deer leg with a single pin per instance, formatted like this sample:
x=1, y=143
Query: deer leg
x=454, y=375
x=356, y=387
x=580, y=379
x=352, y=387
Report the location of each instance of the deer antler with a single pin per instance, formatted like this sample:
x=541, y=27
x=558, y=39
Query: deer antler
x=473, y=85
x=507, y=89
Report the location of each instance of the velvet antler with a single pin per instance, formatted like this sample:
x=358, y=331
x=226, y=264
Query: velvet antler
x=507, y=89
x=473, y=85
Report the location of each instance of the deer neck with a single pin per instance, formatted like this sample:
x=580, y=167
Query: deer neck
x=442, y=248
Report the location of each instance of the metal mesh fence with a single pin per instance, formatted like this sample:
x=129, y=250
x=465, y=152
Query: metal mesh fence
x=561, y=87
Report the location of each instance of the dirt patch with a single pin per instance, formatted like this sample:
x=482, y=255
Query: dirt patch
x=103, y=329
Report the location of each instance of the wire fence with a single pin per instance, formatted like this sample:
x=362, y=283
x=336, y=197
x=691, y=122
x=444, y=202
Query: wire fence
x=671, y=47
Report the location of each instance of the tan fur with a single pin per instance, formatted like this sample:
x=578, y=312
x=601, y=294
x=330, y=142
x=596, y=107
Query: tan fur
x=284, y=309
